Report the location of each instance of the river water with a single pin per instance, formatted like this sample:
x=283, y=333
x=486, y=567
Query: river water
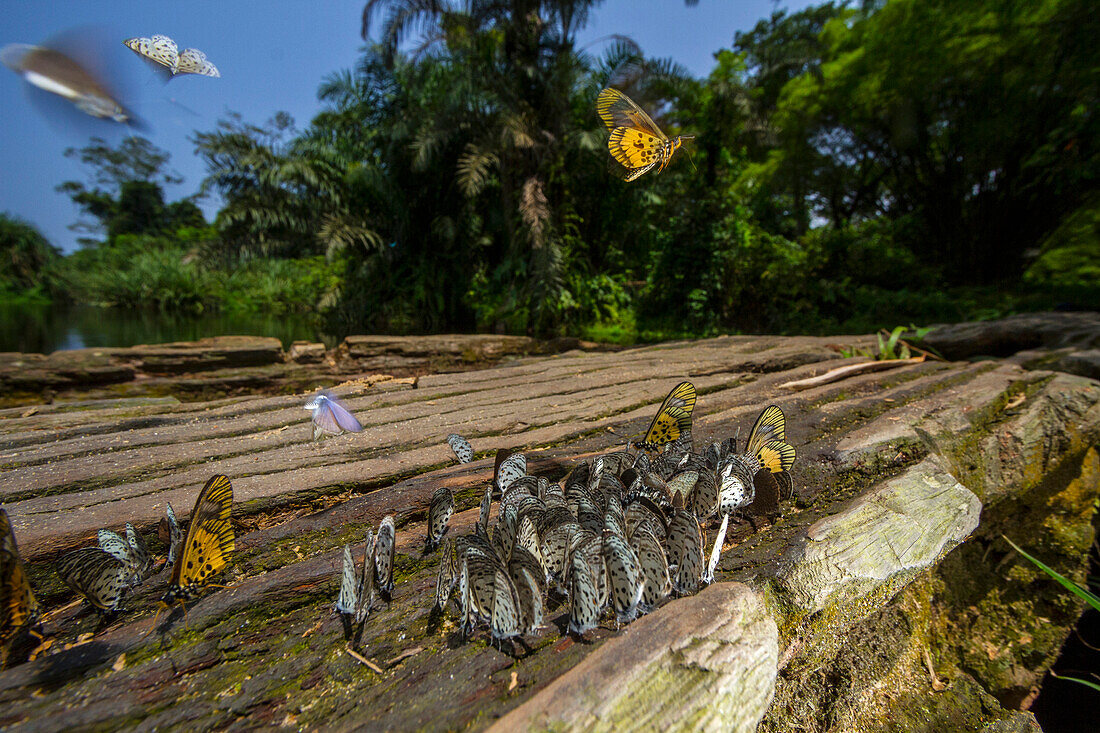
x=47, y=328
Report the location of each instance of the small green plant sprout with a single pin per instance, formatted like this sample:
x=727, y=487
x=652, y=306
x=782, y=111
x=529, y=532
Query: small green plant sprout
x=892, y=346
x=1081, y=592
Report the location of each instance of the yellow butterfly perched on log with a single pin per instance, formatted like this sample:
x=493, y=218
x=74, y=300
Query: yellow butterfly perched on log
x=636, y=143
x=208, y=544
x=673, y=421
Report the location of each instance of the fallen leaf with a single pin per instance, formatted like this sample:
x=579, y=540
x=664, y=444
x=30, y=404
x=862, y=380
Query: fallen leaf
x=28, y=413
x=1016, y=401
x=120, y=663
x=514, y=682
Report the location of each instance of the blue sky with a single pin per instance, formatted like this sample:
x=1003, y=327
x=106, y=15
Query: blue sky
x=272, y=55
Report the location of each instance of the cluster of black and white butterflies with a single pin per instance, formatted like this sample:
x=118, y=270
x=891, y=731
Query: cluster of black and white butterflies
x=620, y=534
x=104, y=573
x=163, y=51
x=360, y=589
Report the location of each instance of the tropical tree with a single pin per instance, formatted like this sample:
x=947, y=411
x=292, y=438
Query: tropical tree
x=124, y=193
x=25, y=254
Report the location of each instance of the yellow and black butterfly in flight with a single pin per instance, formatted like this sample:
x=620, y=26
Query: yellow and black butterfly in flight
x=18, y=607
x=636, y=143
x=207, y=545
x=673, y=421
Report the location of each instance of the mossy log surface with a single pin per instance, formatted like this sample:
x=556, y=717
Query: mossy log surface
x=881, y=598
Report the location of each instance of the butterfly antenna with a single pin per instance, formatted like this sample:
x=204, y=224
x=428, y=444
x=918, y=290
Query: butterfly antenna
x=692, y=159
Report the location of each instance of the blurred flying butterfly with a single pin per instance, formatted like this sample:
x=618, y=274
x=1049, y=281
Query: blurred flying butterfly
x=97, y=575
x=57, y=73
x=18, y=607
x=439, y=513
x=208, y=543
x=330, y=416
x=158, y=49
x=461, y=447
x=673, y=420
x=193, y=61
x=636, y=143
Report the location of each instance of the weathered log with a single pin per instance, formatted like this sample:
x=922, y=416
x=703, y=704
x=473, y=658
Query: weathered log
x=887, y=563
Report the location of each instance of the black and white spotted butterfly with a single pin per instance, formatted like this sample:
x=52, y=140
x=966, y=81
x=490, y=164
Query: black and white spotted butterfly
x=131, y=550
x=383, y=556
x=461, y=447
x=625, y=577
x=685, y=551
x=100, y=577
x=158, y=49
x=357, y=589
x=584, y=599
x=193, y=61
x=439, y=513
x=510, y=466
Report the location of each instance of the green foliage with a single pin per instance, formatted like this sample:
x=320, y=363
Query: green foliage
x=853, y=168
x=167, y=273
x=1070, y=257
x=127, y=191
x=27, y=262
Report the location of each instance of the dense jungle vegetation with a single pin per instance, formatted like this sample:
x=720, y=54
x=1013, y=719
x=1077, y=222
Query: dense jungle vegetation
x=854, y=167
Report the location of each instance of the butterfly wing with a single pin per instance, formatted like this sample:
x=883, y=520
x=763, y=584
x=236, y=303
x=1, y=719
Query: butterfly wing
x=141, y=560
x=365, y=589
x=625, y=575
x=343, y=416
x=584, y=602
x=504, y=622
x=463, y=451
x=637, y=151
x=113, y=544
x=345, y=602
x=716, y=550
x=175, y=535
x=159, y=49
x=193, y=61
x=673, y=420
x=618, y=110
x=685, y=550
x=439, y=513
x=510, y=469
x=97, y=575
x=383, y=555
x=18, y=606
x=654, y=567
x=770, y=425
x=209, y=541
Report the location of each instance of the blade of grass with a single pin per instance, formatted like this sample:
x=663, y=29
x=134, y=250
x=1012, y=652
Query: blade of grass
x=1091, y=598
x=1087, y=683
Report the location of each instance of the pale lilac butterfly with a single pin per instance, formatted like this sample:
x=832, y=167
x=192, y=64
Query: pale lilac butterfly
x=330, y=416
